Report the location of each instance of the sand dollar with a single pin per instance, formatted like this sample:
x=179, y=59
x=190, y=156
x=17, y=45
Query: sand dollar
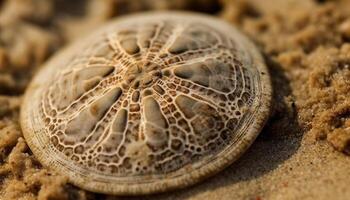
x=148, y=103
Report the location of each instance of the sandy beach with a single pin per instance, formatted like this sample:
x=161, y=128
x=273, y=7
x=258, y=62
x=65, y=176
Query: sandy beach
x=303, y=151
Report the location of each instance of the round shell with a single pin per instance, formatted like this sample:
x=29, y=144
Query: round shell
x=148, y=103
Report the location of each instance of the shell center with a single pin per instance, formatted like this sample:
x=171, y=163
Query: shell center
x=142, y=74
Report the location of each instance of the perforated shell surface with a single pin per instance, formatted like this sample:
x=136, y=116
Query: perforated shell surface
x=148, y=103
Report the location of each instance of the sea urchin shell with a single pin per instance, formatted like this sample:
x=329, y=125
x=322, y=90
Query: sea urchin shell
x=148, y=103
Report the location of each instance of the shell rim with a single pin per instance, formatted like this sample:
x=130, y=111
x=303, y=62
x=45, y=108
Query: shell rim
x=177, y=182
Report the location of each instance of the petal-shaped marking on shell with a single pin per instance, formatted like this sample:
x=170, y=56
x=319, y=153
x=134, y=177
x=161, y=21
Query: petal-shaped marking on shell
x=200, y=32
x=84, y=77
x=77, y=83
x=156, y=124
x=204, y=117
x=146, y=34
x=186, y=105
x=220, y=79
x=196, y=37
x=84, y=122
x=153, y=114
x=116, y=131
x=197, y=72
x=210, y=73
x=130, y=45
x=202, y=108
x=119, y=122
x=182, y=44
x=90, y=83
x=105, y=52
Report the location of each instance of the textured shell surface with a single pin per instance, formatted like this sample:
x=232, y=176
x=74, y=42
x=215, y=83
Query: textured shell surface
x=148, y=103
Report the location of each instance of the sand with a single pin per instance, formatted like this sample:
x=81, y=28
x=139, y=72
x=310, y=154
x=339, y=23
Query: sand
x=302, y=153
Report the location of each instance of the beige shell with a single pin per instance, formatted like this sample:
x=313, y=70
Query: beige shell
x=148, y=103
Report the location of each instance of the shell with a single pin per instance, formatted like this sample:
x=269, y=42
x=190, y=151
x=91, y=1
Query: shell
x=148, y=103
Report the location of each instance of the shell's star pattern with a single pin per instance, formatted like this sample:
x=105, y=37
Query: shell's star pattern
x=148, y=103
